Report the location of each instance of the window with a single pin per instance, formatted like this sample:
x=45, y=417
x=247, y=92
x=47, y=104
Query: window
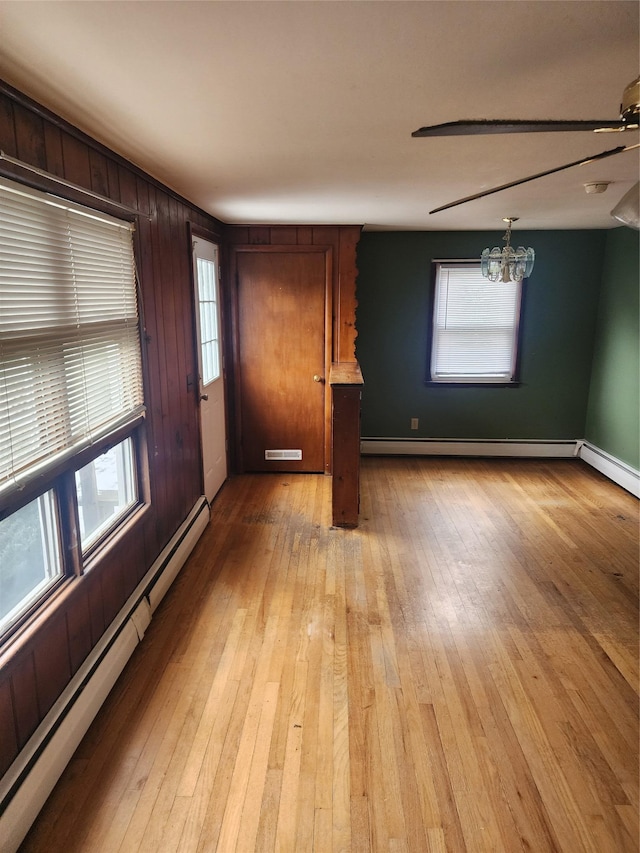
x=474, y=336
x=30, y=561
x=208, y=321
x=106, y=488
x=70, y=384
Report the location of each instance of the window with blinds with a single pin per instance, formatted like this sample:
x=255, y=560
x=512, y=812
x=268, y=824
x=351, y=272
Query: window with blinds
x=70, y=369
x=475, y=326
x=70, y=381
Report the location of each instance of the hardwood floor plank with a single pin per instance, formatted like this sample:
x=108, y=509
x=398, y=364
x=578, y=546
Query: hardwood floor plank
x=213, y=706
x=287, y=804
x=199, y=801
x=360, y=834
x=250, y=819
x=341, y=783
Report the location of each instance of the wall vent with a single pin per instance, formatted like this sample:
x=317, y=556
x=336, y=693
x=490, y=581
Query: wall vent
x=271, y=455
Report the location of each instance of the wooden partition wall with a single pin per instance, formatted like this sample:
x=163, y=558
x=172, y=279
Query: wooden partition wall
x=343, y=240
x=36, y=666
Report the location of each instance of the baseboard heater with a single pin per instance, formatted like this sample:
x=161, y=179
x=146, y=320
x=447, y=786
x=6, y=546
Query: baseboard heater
x=612, y=467
x=467, y=447
x=28, y=782
x=615, y=469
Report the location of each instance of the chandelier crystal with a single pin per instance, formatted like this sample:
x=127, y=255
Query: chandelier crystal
x=507, y=264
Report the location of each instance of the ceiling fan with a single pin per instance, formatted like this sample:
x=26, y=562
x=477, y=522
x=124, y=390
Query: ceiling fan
x=629, y=120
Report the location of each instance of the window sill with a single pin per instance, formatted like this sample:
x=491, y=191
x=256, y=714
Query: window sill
x=437, y=383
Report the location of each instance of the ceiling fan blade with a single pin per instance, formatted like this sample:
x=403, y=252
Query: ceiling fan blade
x=484, y=126
x=583, y=162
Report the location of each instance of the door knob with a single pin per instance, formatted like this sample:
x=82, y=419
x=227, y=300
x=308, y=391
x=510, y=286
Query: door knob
x=317, y=378
x=204, y=396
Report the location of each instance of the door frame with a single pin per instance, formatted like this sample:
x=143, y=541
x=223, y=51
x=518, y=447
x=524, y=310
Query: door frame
x=193, y=383
x=288, y=249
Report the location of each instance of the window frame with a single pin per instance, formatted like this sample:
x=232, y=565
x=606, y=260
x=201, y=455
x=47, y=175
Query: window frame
x=515, y=381
x=61, y=483
x=126, y=482
x=59, y=477
x=31, y=601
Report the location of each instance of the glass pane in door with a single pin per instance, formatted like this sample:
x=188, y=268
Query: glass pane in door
x=208, y=318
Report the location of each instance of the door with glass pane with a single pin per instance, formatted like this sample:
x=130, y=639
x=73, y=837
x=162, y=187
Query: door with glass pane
x=210, y=368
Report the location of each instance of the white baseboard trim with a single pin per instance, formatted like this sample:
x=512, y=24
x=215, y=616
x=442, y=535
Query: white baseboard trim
x=621, y=473
x=616, y=470
x=28, y=782
x=175, y=554
x=454, y=447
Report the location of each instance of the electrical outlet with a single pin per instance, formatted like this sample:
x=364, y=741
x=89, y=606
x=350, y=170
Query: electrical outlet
x=414, y=423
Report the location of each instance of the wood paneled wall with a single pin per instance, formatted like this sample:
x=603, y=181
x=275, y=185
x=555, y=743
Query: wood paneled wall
x=344, y=241
x=35, y=668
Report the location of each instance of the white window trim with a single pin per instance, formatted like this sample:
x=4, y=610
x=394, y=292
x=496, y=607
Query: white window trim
x=489, y=351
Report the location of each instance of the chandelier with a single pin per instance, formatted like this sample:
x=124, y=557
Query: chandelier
x=507, y=264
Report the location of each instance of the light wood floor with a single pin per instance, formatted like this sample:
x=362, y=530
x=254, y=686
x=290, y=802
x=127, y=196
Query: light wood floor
x=458, y=674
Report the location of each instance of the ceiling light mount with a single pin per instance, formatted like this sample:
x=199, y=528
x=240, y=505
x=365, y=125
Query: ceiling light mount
x=507, y=264
x=596, y=187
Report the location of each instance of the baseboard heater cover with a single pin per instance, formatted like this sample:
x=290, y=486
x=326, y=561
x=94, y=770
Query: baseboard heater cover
x=175, y=554
x=28, y=782
x=615, y=469
x=463, y=447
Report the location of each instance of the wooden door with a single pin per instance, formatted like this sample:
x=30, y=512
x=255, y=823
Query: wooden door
x=283, y=312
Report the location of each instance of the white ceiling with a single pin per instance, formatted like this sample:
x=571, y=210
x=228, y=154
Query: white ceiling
x=302, y=112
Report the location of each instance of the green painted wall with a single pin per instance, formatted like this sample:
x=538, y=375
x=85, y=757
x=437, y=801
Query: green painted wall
x=613, y=417
x=559, y=323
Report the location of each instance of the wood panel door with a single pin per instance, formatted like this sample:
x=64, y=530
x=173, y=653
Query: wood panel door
x=283, y=346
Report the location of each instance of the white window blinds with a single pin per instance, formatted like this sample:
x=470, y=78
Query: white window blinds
x=70, y=368
x=475, y=326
